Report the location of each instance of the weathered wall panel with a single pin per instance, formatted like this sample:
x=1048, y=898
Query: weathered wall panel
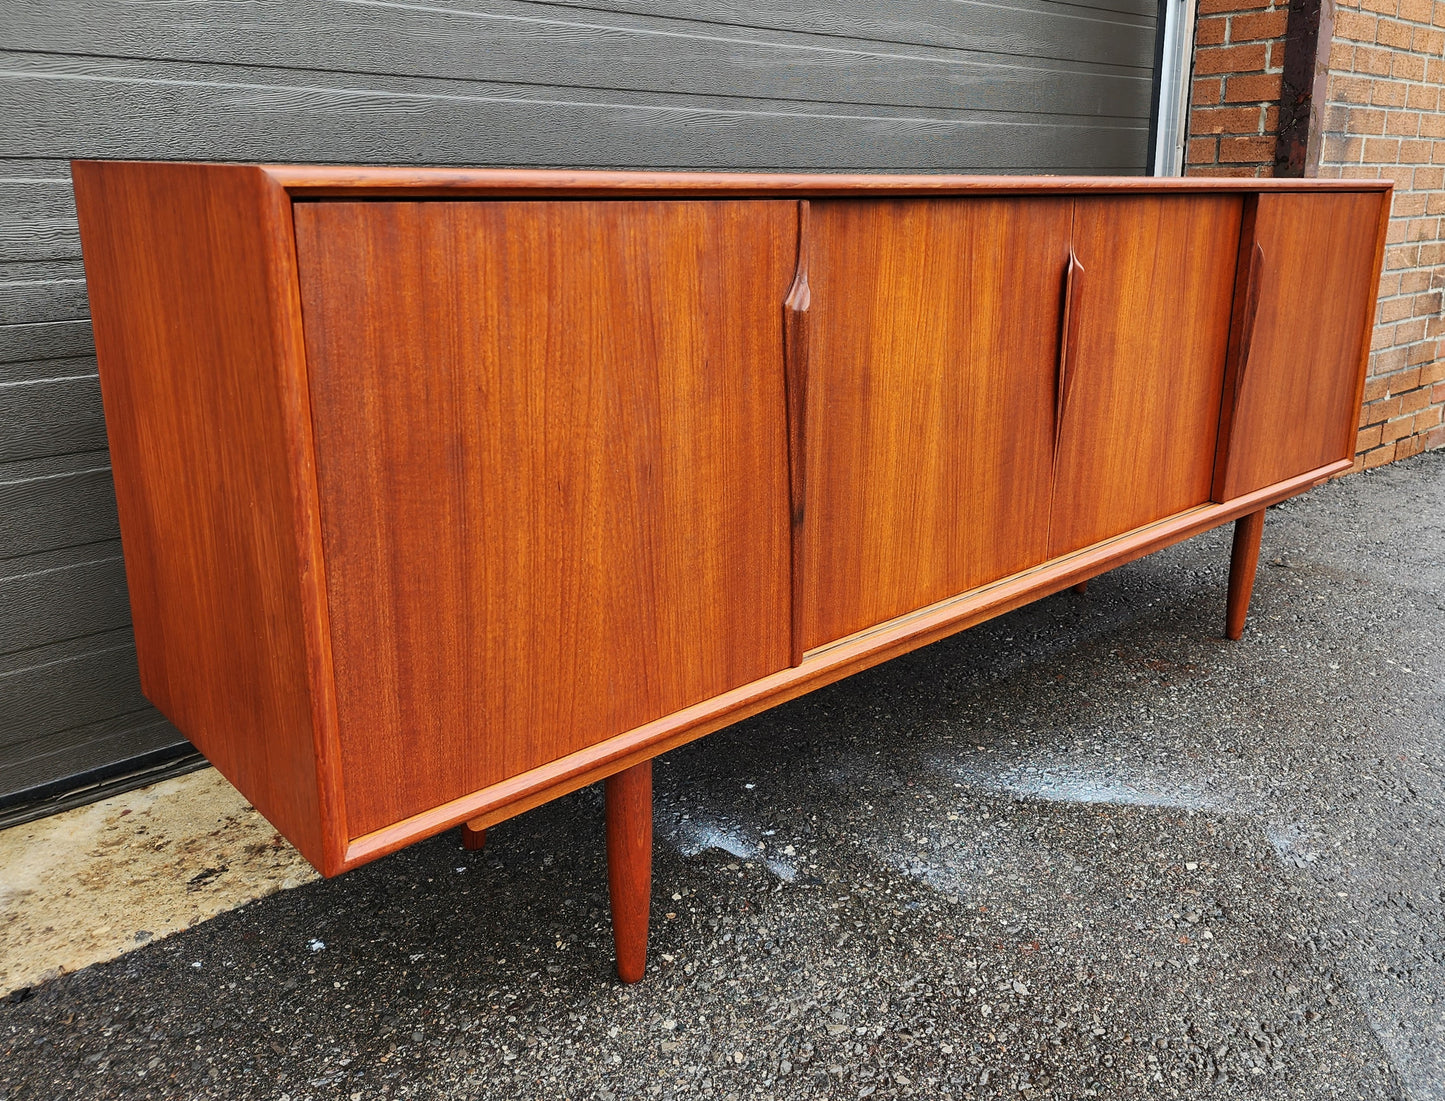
x=871, y=85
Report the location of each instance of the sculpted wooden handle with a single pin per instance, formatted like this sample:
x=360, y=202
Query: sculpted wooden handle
x=1251, y=309
x=1068, y=334
x=795, y=374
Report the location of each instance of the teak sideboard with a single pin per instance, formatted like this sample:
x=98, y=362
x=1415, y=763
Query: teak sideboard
x=445, y=492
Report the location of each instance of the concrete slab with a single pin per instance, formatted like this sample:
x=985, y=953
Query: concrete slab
x=90, y=884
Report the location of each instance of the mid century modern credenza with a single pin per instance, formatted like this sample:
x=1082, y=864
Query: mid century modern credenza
x=445, y=492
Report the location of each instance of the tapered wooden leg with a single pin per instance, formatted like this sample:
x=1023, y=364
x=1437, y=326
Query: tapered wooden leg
x=1247, y=533
x=473, y=840
x=1081, y=588
x=629, y=865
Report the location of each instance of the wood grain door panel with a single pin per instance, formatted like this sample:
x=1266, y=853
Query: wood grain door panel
x=551, y=452
x=932, y=348
x=1144, y=370
x=1310, y=266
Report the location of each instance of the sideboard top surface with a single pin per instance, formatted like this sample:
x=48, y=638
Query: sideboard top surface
x=322, y=181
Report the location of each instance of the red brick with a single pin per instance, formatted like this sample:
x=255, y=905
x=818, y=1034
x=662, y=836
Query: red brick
x=1340, y=150
x=1397, y=429
x=1390, y=93
x=1209, y=30
x=1428, y=41
x=1409, y=331
x=1342, y=57
x=1380, y=456
x=1366, y=120
x=1376, y=388
x=1408, y=204
x=1394, y=34
x=1412, y=445
x=1428, y=418
x=1388, y=361
x=1263, y=87
x=1227, y=120
x=1386, y=150
x=1401, y=124
x=1405, y=66
x=1418, y=11
x=1435, y=372
x=1349, y=89
x=1373, y=60
x=1217, y=171
x=1251, y=28
x=1422, y=229
x=1201, y=150
x=1404, y=380
x=1369, y=437
x=1416, y=151
x=1246, y=150
x=1203, y=93
x=1355, y=25
x=1211, y=7
x=1402, y=256
x=1414, y=401
x=1422, y=97
x=1232, y=59
x=1394, y=309
x=1380, y=411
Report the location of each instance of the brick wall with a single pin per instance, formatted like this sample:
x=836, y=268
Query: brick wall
x=1234, y=97
x=1384, y=115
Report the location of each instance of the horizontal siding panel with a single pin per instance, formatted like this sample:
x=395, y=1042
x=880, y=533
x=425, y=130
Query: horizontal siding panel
x=1042, y=71
x=39, y=291
x=89, y=105
x=46, y=340
x=59, y=595
x=939, y=22
x=23, y=238
x=83, y=749
x=56, y=414
x=46, y=504
x=37, y=220
x=52, y=688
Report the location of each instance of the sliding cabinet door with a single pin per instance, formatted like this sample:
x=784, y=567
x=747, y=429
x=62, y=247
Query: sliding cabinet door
x=1143, y=369
x=552, y=459
x=1307, y=298
x=929, y=380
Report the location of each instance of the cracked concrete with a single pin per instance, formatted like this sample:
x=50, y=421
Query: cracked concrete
x=1087, y=849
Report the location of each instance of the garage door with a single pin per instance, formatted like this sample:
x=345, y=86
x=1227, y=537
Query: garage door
x=881, y=85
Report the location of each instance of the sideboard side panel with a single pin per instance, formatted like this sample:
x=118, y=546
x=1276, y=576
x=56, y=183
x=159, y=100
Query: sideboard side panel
x=1295, y=389
x=552, y=455
x=192, y=289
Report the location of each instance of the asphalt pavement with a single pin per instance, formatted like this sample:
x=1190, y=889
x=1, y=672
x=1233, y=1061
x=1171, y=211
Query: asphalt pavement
x=1088, y=849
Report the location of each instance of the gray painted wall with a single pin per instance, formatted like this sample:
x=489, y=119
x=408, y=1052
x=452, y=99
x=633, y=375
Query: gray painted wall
x=871, y=85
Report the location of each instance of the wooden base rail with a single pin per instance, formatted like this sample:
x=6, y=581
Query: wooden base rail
x=503, y=482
